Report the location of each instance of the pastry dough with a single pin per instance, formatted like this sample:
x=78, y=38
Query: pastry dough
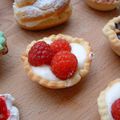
x=103, y=5
x=41, y=14
x=57, y=83
x=112, y=30
x=106, y=98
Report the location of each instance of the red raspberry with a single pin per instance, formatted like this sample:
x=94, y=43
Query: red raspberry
x=64, y=65
x=4, y=113
x=40, y=54
x=116, y=110
x=60, y=45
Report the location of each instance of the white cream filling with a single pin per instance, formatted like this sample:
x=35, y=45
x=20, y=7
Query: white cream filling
x=45, y=71
x=112, y=95
x=14, y=113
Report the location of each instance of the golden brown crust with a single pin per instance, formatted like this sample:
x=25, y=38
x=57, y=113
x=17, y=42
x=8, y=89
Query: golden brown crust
x=101, y=6
x=57, y=12
x=57, y=84
x=110, y=31
x=24, y=3
x=49, y=22
x=102, y=107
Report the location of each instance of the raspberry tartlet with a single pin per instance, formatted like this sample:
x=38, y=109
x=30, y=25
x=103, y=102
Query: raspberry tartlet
x=57, y=61
x=103, y=5
x=112, y=31
x=109, y=101
x=7, y=110
x=3, y=44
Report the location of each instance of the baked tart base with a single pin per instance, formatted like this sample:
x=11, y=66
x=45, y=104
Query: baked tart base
x=111, y=31
x=101, y=101
x=57, y=84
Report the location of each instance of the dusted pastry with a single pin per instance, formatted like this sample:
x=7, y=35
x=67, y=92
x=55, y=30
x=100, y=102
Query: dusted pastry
x=103, y=5
x=41, y=14
x=58, y=61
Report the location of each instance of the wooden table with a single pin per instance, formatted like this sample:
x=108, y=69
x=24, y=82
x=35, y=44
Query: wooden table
x=76, y=103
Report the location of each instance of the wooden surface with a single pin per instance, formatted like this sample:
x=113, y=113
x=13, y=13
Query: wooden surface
x=76, y=103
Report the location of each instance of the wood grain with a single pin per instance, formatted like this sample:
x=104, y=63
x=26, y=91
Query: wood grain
x=76, y=103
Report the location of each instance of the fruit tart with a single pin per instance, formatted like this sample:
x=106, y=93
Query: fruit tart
x=109, y=101
x=103, y=5
x=112, y=32
x=7, y=110
x=3, y=45
x=57, y=61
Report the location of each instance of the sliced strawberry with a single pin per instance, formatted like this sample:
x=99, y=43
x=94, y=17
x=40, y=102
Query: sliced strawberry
x=4, y=113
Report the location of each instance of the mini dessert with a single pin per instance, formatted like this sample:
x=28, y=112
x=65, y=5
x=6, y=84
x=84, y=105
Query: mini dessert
x=41, y=14
x=7, y=110
x=109, y=102
x=3, y=45
x=112, y=32
x=103, y=5
x=58, y=61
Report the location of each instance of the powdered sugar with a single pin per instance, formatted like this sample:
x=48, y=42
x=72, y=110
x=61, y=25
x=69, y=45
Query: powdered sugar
x=38, y=8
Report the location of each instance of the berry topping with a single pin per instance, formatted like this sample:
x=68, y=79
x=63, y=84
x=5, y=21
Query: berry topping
x=116, y=110
x=40, y=54
x=60, y=45
x=64, y=65
x=4, y=113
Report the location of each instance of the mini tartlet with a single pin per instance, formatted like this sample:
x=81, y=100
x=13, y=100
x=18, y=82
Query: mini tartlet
x=112, y=31
x=48, y=79
x=7, y=110
x=109, y=101
x=103, y=5
x=41, y=14
x=3, y=44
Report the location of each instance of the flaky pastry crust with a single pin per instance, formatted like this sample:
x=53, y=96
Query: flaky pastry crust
x=57, y=84
x=102, y=107
x=110, y=32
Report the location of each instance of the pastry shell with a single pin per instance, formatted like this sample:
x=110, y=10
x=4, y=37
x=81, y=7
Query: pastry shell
x=110, y=32
x=57, y=84
x=102, y=6
x=102, y=107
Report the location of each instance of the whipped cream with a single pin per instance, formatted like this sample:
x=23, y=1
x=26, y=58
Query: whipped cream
x=112, y=94
x=38, y=8
x=14, y=113
x=45, y=70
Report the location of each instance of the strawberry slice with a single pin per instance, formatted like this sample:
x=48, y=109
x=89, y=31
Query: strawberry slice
x=4, y=112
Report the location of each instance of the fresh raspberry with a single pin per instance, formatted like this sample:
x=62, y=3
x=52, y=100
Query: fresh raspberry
x=40, y=54
x=4, y=113
x=60, y=45
x=64, y=65
x=116, y=110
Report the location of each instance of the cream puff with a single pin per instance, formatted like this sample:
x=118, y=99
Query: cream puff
x=7, y=110
x=57, y=61
x=41, y=14
x=112, y=31
x=109, y=101
x=103, y=5
x=3, y=44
